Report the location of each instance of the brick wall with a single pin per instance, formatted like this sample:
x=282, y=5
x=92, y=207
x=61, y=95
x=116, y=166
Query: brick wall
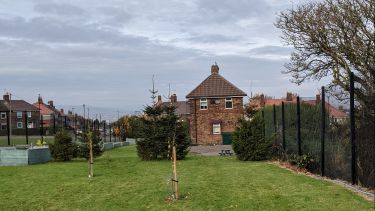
x=201, y=121
x=14, y=119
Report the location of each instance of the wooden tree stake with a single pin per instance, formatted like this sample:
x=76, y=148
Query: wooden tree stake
x=91, y=159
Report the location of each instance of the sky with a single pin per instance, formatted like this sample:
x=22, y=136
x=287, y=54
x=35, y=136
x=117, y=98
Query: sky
x=104, y=53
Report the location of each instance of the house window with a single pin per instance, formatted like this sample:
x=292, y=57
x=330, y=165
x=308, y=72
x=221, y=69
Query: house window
x=203, y=104
x=3, y=126
x=228, y=103
x=30, y=125
x=216, y=128
x=29, y=114
x=19, y=125
x=3, y=115
x=19, y=114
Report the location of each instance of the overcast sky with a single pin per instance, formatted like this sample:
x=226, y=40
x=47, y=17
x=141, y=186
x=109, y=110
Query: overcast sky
x=104, y=53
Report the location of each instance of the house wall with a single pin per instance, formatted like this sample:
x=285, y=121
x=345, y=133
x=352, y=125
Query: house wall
x=201, y=120
x=14, y=119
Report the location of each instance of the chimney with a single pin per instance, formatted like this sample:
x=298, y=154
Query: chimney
x=341, y=108
x=317, y=99
x=262, y=101
x=6, y=97
x=289, y=96
x=51, y=103
x=159, y=98
x=215, y=69
x=40, y=100
x=174, y=98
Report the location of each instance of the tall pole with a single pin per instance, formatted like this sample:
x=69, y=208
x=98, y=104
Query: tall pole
x=110, y=131
x=8, y=126
x=323, y=133
x=283, y=122
x=352, y=130
x=299, y=126
x=10, y=113
x=26, y=128
x=84, y=118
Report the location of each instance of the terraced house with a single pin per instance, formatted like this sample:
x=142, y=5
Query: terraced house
x=215, y=106
x=22, y=114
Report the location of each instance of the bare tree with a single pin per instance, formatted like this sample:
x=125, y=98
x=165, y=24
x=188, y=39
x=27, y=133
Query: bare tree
x=333, y=38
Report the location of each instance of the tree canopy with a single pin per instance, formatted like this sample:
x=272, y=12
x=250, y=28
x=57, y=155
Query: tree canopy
x=333, y=38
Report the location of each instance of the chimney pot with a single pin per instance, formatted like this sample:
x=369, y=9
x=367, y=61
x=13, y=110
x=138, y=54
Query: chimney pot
x=214, y=69
x=6, y=97
x=159, y=98
x=289, y=96
x=262, y=100
x=317, y=99
x=40, y=100
x=174, y=98
x=50, y=103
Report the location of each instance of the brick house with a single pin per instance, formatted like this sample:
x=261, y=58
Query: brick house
x=182, y=107
x=215, y=106
x=48, y=112
x=335, y=114
x=18, y=119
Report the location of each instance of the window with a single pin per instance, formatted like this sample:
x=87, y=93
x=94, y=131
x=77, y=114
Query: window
x=29, y=114
x=19, y=114
x=3, y=115
x=204, y=104
x=19, y=125
x=216, y=128
x=30, y=125
x=3, y=126
x=228, y=102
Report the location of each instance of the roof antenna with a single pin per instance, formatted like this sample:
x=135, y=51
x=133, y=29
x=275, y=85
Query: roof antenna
x=153, y=91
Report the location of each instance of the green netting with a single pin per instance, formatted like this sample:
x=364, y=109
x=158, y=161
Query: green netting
x=291, y=145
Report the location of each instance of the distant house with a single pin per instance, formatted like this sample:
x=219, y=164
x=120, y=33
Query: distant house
x=48, y=111
x=215, y=106
x=18, y=110
x=335, y=114
x=182, y=107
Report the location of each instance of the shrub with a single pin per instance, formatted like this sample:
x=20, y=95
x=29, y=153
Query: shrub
x=249, y=142
x=157, y=131
x=63, y=148
x=305, y=161
x=83, y=147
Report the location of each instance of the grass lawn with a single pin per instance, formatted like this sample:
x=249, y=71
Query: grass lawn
x=16, y=140
x=123, y=182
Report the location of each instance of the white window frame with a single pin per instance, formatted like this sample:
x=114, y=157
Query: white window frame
x=29, y=114
x=19, y=125
x=228, y=100
x=3, y=115
x=19, y=116
x=203, y=103
x=3, y=124
x=216, y=128
x=30, y=124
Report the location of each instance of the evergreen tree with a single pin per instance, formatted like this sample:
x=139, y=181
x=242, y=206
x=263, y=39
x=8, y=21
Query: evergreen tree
x=63, y=148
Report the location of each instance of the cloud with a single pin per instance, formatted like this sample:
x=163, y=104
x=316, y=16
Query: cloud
x=59, y=9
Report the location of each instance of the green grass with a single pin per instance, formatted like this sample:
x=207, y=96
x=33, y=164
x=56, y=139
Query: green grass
x=123, y=182
x=17, y=140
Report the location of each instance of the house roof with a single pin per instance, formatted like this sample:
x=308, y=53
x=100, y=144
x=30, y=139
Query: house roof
x=215, y=85
x=18, y=105
x=181, y=107
x=332, y=110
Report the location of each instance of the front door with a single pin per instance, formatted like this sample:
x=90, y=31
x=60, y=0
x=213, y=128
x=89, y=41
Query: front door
x=227, y=138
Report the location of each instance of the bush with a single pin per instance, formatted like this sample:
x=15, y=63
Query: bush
x=305, y=161
x=157, y=131
x=63, y=148
x=249, y=142
x=83, y=146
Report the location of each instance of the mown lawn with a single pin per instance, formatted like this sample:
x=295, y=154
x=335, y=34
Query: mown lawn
x=123, y=182
x=20, y=140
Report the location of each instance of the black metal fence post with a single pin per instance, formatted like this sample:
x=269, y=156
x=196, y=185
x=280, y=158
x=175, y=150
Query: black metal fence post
x=110, y=132
x=26, y=128
x=65, y=122
x=104, y=131
x=323, y=133
x=41, y=127
x=274, y=119
x=8, y=126
x=54, y=124
x=299, y=126
x=264, y=124
x=283, y=123
x=352, y=129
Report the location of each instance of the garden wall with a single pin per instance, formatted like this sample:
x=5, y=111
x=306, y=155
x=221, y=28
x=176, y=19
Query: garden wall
x=11, y=156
